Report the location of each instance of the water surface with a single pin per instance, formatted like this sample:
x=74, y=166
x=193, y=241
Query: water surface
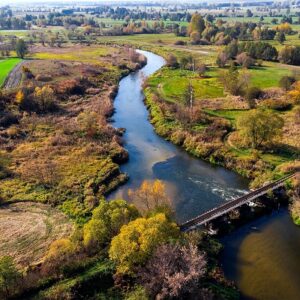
x=193, y=185
x=264, y=263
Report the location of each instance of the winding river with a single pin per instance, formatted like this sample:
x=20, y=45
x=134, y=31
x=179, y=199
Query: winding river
x=195, y=186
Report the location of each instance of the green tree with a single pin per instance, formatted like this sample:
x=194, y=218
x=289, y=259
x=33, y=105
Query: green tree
x=21, y=48
x=259, y=127
x=136, y=241
x=8, y=276
x=280, y=37
x=235, y=82
x=106, y=222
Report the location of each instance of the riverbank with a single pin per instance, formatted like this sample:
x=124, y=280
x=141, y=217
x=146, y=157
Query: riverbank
x=57, y=143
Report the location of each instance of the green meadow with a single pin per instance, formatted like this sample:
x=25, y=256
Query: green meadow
x=6, y=66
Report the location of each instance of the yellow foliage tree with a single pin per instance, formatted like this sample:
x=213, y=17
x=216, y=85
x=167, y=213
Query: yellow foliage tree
x=106, y=222
x=137, y=240
x=45, y=97
x=285, y=27
x=61, y=252
x=20, y=97
x=151, y=197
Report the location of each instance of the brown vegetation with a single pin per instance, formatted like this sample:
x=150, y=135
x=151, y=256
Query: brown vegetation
x=28, y=229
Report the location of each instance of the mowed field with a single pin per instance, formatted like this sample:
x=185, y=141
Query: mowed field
x=6, y=66
x=28, y=229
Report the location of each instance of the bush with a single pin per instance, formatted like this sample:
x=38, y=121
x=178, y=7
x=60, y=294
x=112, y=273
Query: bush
x=172, y=61
x=180, y=43
x=286, y=82
x=276, y=104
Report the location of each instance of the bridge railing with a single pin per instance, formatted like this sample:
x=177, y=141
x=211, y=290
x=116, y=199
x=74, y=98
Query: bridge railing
x=230, y=205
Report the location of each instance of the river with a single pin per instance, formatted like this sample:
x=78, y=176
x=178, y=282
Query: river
x=195, y=186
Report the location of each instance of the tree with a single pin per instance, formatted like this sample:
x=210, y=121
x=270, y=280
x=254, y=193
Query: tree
x=222, y=59
x=172, y=61
x=20, y=97
x=232, y=49
x=21, y=48
x=259, y=127
x=243, y=59
x=138, y=239
x=290, y=55
x=249, y=13
x=235, y=82
x=295, y=93
x=197, y=24
x=8, y=276
x=280, y=37
x=106, y=222
x=61, y=253
x=195, y=37
x=151, y=197
x=45, y=98
x=286, y=82
x=88, y=123
x=174, y=271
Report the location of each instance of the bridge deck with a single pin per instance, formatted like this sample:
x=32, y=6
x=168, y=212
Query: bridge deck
x=231, y=205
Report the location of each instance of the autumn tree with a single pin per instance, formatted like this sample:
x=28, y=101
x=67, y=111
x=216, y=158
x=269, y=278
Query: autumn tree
x=259, y=127
x=244, y=60
x=295, y=93
x=106, y=222
x=151, y=197
x=61, y=253
x=8, y=276
x=20, y=97
x=45, y=98
x=197, y=24
x=138, y=239
x=174, y=271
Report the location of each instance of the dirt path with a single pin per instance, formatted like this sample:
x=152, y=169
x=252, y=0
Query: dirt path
x=14, y=77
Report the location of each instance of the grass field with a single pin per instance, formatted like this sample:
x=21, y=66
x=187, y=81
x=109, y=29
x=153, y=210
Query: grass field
x=6, y=66
x=171, y=84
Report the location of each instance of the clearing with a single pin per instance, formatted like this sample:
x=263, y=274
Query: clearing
x=28, y=229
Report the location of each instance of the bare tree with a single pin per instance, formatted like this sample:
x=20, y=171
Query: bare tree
x=173, y=271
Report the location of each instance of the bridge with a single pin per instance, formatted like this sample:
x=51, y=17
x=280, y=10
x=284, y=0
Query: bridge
x=233, y=204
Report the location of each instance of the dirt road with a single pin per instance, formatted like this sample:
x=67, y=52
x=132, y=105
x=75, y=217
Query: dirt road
x=14, y=78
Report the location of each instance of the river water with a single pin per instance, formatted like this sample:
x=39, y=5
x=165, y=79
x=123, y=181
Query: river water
x=195, y=186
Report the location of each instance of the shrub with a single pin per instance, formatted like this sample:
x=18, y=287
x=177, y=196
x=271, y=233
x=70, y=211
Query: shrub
x=172, y=61
x=179, y=43
x=276, y=104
